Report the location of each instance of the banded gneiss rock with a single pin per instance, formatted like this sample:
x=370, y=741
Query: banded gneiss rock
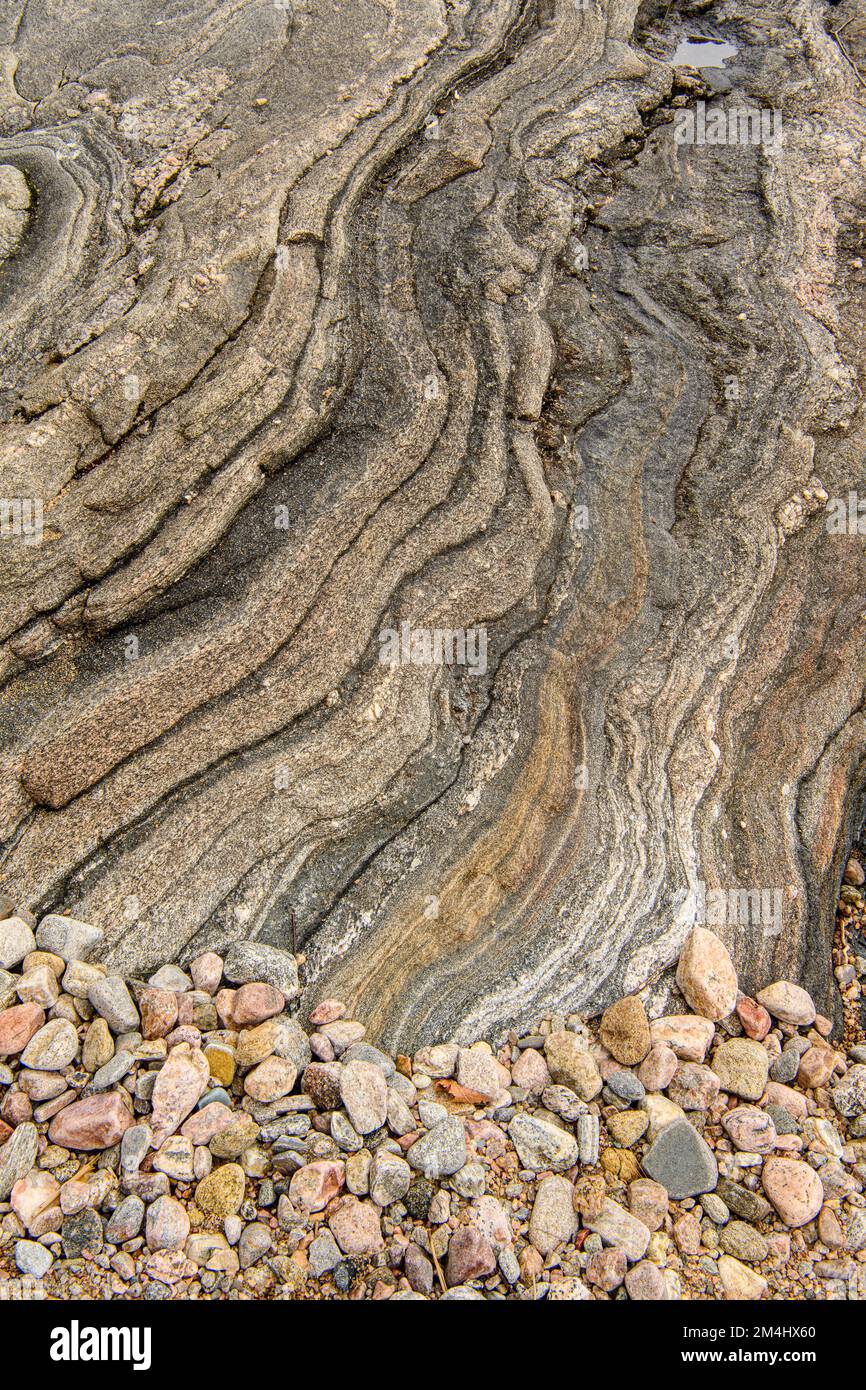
x=326, y=320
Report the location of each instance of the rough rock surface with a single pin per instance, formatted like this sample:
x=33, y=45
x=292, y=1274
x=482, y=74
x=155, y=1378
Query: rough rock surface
x=325, y=318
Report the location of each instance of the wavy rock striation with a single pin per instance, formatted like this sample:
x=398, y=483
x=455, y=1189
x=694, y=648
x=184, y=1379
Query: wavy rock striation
x=362, y=318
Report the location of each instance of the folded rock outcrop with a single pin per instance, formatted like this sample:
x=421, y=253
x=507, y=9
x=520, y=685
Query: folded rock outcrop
x=337, y=334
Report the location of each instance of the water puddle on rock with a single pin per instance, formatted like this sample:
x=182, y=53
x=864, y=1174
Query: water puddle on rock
x=703, y=53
